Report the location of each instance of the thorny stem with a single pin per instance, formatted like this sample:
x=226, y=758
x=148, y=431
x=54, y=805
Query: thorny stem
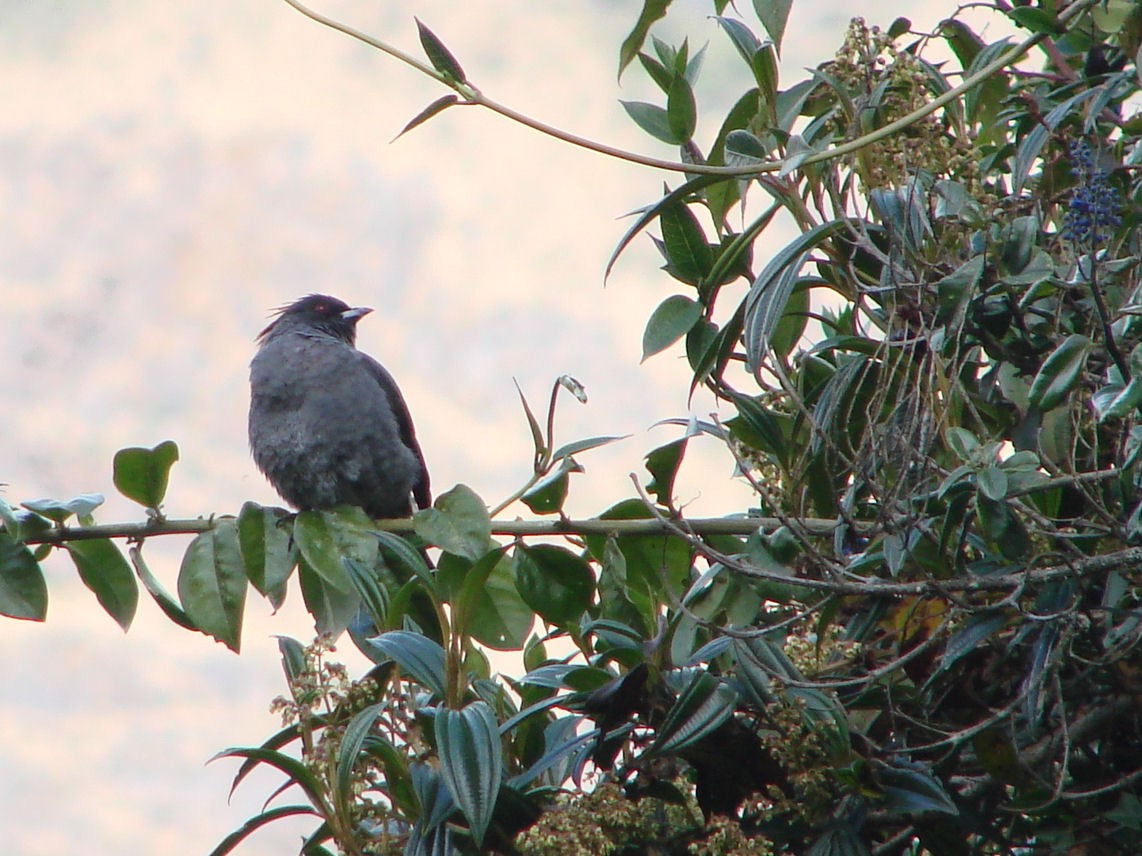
x=472, y=95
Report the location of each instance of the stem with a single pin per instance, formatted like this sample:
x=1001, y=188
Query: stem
x=474, y=96
x=1104, y=319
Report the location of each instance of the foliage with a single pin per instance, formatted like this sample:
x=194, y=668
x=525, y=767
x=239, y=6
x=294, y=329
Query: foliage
x=923, y=637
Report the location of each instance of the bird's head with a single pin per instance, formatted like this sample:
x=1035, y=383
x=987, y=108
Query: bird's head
x=318, y=313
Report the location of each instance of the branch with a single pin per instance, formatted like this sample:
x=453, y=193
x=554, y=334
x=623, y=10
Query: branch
x=510, y=528
x=472, y=95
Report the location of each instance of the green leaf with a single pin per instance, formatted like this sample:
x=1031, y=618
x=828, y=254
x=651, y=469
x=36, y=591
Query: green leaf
x=1116, y=400
x=536, y=432
x=758, y=427
x=704, y=705
x=440, y=57
x=269, y=553
x=748, y=45
x=975, y=630
x=663, y=464
x=352, y=742
x=155, y=589
x=418, y=657
x=794, y=319
x=765, y=303
x=293, y=659
x=656, y=566
x=142, y=474
x=909, y=790
x=471, y=762
x=457, y=523
x=681, y=109
x=963, y=443
x=324, y=538
x=652, y=10
x=743, y=148
x=774, y=15
x=659, y=73
x=649, y=214
x=652, y=119
x=60, y=510
x=1034, y=19
x=1040, y=134
x=227, y=844
x=672, y=320
x=548, y=494
x=212, y=584
x=23, y=591
x=332, y=609
x=408, y=560
x=489, y=606
x=438, y=106
x=992, y=483
x=104, y=570
x=1060, y=372
x=554, y=582
x=8, y=520
x=1003, y=528
x=297, y=772
x=689, y=257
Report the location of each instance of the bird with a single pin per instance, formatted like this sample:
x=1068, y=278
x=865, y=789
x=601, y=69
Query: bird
x=328, y=425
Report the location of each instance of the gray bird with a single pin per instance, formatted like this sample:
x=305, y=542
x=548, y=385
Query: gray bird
x=328, y=425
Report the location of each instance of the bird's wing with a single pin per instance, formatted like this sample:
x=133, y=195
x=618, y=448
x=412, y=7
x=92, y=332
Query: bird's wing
x=421, y=493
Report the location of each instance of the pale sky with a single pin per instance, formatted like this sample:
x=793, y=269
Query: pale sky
x=171, y=172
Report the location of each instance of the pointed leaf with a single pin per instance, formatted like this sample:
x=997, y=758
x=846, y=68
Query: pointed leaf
x=548, y=494
x=652, y=10
x=688, y=254
x=663, y=464
x=681, y=109
x=227, y=844
x=668, y=323
x=440, y=57
x=1060, y=372
x=332, y=609
x=23, y=591
x=489, y=607
x=649, y=214
x=352, y=741
x=767, y=297
x=652, y=119
x=296, y=770
x=774, y=15
x=577, y=446
x=155, y=589
x=104, y=570
x=212, y=584
x=554, y=582
x=269, y=553
x=704, y=705
x=418, y=657
x=468, y=742
x=976, y=630
x=908, y=790
x=325, y=538
x=992, y=483
x=438, y=106
x=457, y=523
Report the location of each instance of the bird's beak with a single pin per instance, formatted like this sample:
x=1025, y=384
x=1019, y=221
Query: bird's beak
x=356, y=313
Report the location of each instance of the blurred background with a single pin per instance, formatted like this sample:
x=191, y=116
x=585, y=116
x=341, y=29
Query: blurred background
x=171, y=172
